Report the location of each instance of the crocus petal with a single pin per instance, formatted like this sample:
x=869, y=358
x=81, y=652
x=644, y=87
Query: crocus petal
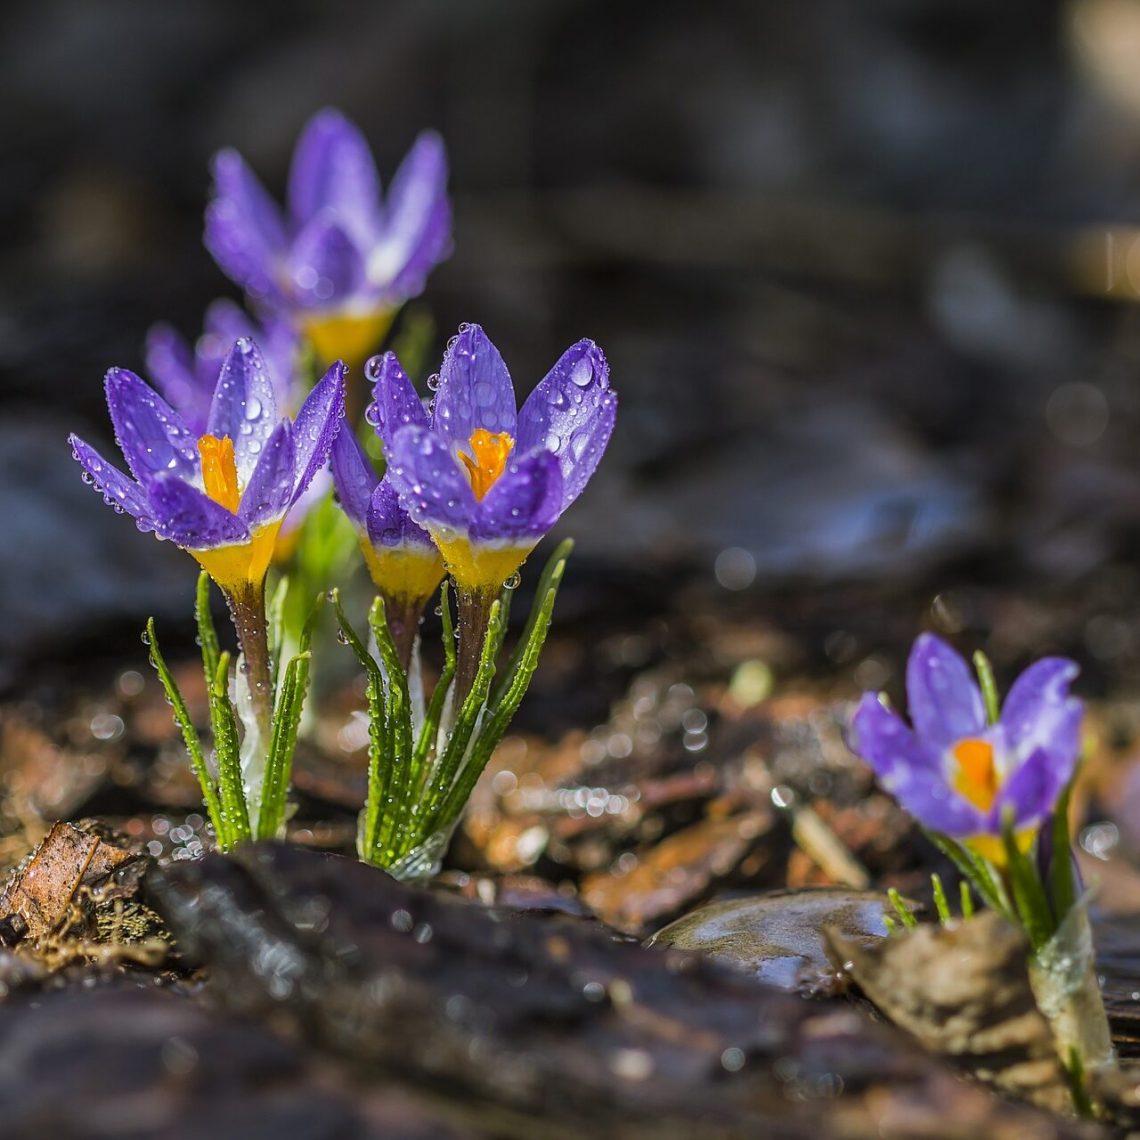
x=324, y=265
x=426, y=476
x=191, y=519
x=152, y=435
x=475, y=389
x=170, y=362
x=244, y=406
x=1033, y=789
x=396, y=403
x=316, y=427
x=944, y=700
x=333, y=170
x=244, y=229
x=270, y=488
x=910, y=771
x=525, y=501
x=353, y=475
x=119, y=491
x=227, y=322
x=1039, y=712
x=417, y=230
x=389, y=524
x=571, y=413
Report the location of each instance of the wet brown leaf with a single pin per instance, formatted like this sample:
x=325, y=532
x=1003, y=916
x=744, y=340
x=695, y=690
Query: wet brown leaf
x=43, y=888
x=963, y=991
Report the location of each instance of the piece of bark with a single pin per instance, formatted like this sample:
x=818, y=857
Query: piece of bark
x=963, y=990
x=119, y=1062
x=551, y=1030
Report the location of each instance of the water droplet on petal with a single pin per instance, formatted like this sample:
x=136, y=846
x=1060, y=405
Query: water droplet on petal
x=582, y=373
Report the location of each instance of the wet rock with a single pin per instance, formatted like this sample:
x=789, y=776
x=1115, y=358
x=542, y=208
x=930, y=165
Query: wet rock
x=778, y=938
x=963, y=991
x=548, y=1029
x=1118, y=965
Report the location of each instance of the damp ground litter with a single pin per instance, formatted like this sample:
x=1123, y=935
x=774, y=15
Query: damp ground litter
x=612, y=469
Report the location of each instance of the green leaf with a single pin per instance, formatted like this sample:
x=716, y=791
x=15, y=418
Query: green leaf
x=399, y=707
x=379, y=768
x=985, y=673
x=207, y=633
x=282, y=746
x=189, y=733
x=227, y=750
x=454, y=757
x=1028, y=891
x=902, y=910
x=551, y=576
x=1075, y=1072
x=1062, y=882
x=976, y=871
x=940, y=903
x=508, y=697
x=966, y=899
x=283, y=739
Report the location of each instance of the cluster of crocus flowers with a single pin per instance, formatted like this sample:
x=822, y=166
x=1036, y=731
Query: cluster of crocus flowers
x=485, y=479
x=961, y=774
x=342, y=258
x=221, y=494
x=471, y=485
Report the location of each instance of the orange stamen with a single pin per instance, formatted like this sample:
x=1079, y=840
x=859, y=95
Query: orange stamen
x=977, y=777
x=219, y=471
x=488, y=459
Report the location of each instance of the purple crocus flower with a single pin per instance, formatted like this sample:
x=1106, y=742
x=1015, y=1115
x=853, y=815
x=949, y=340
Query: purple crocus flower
x=221, y=495
x=487, y=481
x=405, y=564
x=342, y=260
x=186, y=375
x=956, y=773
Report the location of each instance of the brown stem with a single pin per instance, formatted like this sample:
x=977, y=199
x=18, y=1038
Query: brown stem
x=474, y=608
x=403, y=617
x=247, y=607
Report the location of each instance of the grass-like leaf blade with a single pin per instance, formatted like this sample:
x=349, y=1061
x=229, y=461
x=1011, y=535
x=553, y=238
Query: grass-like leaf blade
x=379, y=770
x=223, y=721
x=189, y=733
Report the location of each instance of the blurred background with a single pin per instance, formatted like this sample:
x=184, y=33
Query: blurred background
x=864, y=274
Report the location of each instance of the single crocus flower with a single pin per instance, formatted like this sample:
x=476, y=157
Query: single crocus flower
x=187, y=375
x=342, y=260
x=405, y=565
x=956, y=773
x=484, y=480
x=221, y=495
